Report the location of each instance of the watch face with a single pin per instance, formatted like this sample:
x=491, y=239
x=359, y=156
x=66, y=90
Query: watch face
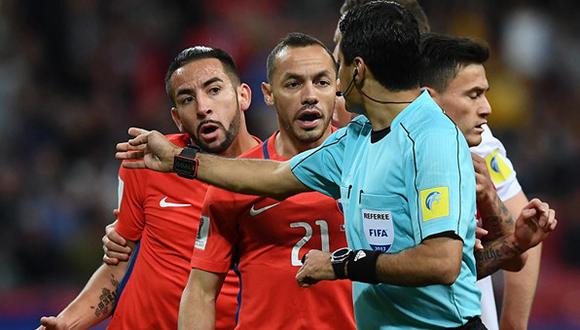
x=185, y=165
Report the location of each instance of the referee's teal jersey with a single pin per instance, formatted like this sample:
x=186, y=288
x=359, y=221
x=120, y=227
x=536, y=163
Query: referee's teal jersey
x=413, y=183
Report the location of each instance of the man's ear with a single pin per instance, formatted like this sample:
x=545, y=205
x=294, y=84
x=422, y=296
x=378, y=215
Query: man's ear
x=267, y=92
x=176, y=119
x=434, y=94
x=360, y=69
x=244, y=96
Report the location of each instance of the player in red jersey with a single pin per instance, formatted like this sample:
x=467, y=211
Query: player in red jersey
x=268, y=237
x=161, y=211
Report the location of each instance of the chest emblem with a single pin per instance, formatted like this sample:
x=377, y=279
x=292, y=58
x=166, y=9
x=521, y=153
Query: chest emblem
x=254, y=212
x=378, y=228
x=164, y=203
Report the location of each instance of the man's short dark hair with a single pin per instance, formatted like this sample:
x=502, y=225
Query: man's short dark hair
x=443, y=56
x=191, y=54
x=386, y=37
x=412, y=6
x=294, y=40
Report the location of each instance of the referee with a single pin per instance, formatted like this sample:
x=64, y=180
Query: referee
x=402, y=172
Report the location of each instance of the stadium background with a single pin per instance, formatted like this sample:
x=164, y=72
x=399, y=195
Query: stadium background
x=74, y=74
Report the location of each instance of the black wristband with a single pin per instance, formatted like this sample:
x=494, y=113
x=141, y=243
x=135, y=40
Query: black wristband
x=362, y=266
x=339, y=270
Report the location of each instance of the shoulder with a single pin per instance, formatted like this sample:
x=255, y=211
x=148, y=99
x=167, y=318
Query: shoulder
x=360, y=125
x=126, y=174
x=425, y=118
x=489, y=144
x=255, y=152
x=180, y=140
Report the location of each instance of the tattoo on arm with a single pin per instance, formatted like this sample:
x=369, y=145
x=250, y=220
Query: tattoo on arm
x=494, y=254
x=497, y=219
x=106, y=299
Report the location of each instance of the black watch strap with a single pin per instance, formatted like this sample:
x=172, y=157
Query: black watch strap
x=185, y=164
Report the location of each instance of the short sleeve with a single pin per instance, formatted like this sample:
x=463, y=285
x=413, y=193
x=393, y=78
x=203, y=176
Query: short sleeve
x=321, y=168
x=442, y=184
x=499, y=166
x=131, y=219
x=217, y=234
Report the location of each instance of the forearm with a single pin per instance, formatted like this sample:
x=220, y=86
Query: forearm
x=520, y=287
x=196, y=311
x=495, y=216
x=96, y=300
x=249, y=176
x=497, y=254
x=197, y=307
x=519, y=292
x=435, y=261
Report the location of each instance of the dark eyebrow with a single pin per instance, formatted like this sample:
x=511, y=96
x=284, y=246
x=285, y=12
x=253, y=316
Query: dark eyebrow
x=323, y=73
x=296, y=76
x=192, y=92
x=184, y=91
x=211, y=81
x=292, y=76
x=477, y=89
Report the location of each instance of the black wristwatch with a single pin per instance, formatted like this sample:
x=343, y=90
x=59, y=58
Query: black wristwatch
x=185, y=164
x=338, y=260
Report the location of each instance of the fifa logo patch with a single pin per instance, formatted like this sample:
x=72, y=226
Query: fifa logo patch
x=434, y=203
x=378, y=228
x=497, y=167
x=202, y=233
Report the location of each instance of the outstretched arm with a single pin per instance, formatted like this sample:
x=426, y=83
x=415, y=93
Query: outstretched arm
x=197, y=307
x=94, y=303
x=150, y=149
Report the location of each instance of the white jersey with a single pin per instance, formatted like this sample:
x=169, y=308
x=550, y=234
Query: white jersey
x=504, y=178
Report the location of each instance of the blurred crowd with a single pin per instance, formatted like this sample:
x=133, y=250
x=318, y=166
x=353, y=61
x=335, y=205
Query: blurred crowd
x=74, y=74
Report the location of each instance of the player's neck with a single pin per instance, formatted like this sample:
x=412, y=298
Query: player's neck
x=287, y=146
x=243, y=142
x=381, y=115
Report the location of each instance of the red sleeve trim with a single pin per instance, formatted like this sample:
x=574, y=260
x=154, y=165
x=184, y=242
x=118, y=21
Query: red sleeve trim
x=210, y=266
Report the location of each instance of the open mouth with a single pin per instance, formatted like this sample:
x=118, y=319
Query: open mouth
x=208, y=132
x=309, y=119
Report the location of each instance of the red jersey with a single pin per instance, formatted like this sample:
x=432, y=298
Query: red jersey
x=162, y=211
x=268, y=238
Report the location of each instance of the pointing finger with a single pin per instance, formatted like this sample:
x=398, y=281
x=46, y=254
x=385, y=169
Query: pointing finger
x=136, y=131
x=133, y=165
x=129, y=155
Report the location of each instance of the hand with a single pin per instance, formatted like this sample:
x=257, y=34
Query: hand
x=479, y=234
x=52, y=323
x=148, y=149
x=114, y=245
x=536, y=221
x=316, y=267
x=484, y=187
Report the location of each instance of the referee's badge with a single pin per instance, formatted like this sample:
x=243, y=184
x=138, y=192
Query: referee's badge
x=378, y=228
x=497, y=167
